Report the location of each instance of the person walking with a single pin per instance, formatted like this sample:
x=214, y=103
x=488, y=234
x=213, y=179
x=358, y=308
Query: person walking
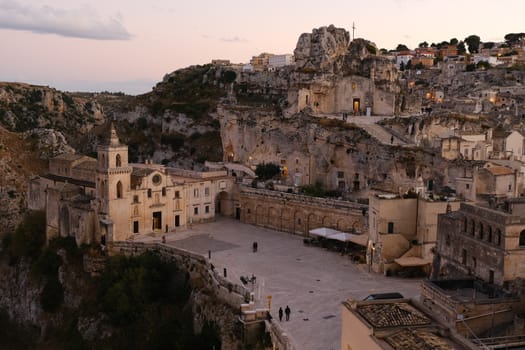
x=280, y=314
x=287, y=312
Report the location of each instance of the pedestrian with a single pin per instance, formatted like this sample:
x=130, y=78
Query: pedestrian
x=287, y=312
x=163, y=239
x=280, y=314
x=391, y=139
x=254, y=246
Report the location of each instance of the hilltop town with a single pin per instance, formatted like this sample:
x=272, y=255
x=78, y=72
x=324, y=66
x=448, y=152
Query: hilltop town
x=410, y=163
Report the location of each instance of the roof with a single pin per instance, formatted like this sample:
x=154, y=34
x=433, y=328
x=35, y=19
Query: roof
x=500, y=170
x=69, y=180
x=383, y=315
x=411, y=261
x=68, y=156
x=416, y=339
x=90, y=164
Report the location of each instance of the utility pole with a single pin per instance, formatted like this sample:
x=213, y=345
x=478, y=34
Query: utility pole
x=353, y=30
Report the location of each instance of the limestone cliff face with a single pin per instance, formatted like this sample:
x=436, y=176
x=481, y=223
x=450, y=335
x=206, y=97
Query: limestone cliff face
x=333, y=75
x=312, y=149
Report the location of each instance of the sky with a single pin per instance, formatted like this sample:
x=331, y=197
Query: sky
x=129, y=45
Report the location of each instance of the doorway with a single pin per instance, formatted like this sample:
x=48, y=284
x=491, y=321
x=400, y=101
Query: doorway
x=157, y=220
x=356, y=106
x=238, y=213
x=177, y=220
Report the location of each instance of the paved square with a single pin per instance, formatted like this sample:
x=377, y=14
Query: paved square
x=311, y=280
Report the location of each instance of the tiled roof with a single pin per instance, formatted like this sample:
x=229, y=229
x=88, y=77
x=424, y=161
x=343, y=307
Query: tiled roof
x=407, y=339
x=382, y=315
x=69, y=156
x=500, y=170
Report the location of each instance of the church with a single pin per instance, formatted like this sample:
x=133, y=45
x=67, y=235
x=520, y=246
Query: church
x=108, y=199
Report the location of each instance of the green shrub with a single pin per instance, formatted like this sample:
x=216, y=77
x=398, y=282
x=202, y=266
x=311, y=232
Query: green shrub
x=48, y=263
x=52, y=295
x=29, y=236
x=267, y=171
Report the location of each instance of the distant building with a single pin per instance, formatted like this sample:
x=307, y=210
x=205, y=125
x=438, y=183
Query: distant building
x=220, y=62
x=261, y=62
x=277, y=61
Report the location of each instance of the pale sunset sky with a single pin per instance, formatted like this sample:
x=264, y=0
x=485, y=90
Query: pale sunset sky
x=128, y=45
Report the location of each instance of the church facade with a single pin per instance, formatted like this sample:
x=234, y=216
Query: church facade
x=108, y=199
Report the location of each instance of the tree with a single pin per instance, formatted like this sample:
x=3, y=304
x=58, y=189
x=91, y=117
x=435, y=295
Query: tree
x=514, y=38
x=424, y=44
x=473, y=42
x=454, y=41
x=267, y=171
x=461, y=48
x=489, y=45
x=402, y=47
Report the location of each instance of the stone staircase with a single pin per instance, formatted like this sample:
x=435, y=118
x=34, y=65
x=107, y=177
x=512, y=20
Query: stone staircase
x=384, y=135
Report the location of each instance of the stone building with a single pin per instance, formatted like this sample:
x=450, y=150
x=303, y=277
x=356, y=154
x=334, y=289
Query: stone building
x=483, y=242
x=403, y=231
x=109, y=199
x=392, y=324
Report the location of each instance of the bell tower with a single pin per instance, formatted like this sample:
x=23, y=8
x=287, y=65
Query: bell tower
x=113, y=186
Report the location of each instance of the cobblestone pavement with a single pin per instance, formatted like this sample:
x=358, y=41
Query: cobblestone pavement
x=311, y=280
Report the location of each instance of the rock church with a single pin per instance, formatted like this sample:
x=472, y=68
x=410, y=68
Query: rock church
x=108, y=199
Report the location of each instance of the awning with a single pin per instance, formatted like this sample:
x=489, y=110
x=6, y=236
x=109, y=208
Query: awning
x=412, y=261
x=361, y=239
x=324, y=232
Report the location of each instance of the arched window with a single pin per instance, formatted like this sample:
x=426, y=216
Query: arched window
x=480, y=230
x=498, y=237
x=489, y=238
x=465, y=225
x=118, y=161
x=119, y=189
x=472, y=227
x=522, y=239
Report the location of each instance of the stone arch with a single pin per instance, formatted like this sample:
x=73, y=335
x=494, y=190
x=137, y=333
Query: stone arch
x=312, y=222
x=119, y=189
x=224, y=204
x=299, y=225
x=343, y=224
x=328, y=222
x=118, y=161
x=65, y=222
x=274, y=218
x=260, y=215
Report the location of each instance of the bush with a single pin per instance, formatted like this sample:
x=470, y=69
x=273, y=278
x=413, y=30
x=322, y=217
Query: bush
x=48, y=263
x=52, y=295
x=29, y=236
x=267, y=171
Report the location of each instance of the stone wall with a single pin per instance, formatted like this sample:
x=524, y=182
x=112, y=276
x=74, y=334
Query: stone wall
x=296, y=213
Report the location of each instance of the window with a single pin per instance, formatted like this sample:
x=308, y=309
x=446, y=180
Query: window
x=177, y=194
x=118, y=161
x=491, y=276
x=149, y=192
x=498, y=237
x=474, y=262
x=522, y=238
x=195, y=193
x=510, y=188
x=207, y=209
x=156, y=179
x=447, y=240
x=135, y=199
x=463, y=256
x=390, y=228
x=465, y=225
x=340, y=174
x=481, y=233
x=283, y=161
x=472, y=227
x=163, y=191
x=196, y=210
x=207, y=192
x=135, y=227
x=467, y=186
x=119, y=189
x=489, y=237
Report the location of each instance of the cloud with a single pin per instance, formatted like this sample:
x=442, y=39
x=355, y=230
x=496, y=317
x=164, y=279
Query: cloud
x=234, y=39
x=82, y=22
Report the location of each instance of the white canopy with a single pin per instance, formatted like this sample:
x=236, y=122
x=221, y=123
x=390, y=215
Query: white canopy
x=324, y=232
x=329, y=233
